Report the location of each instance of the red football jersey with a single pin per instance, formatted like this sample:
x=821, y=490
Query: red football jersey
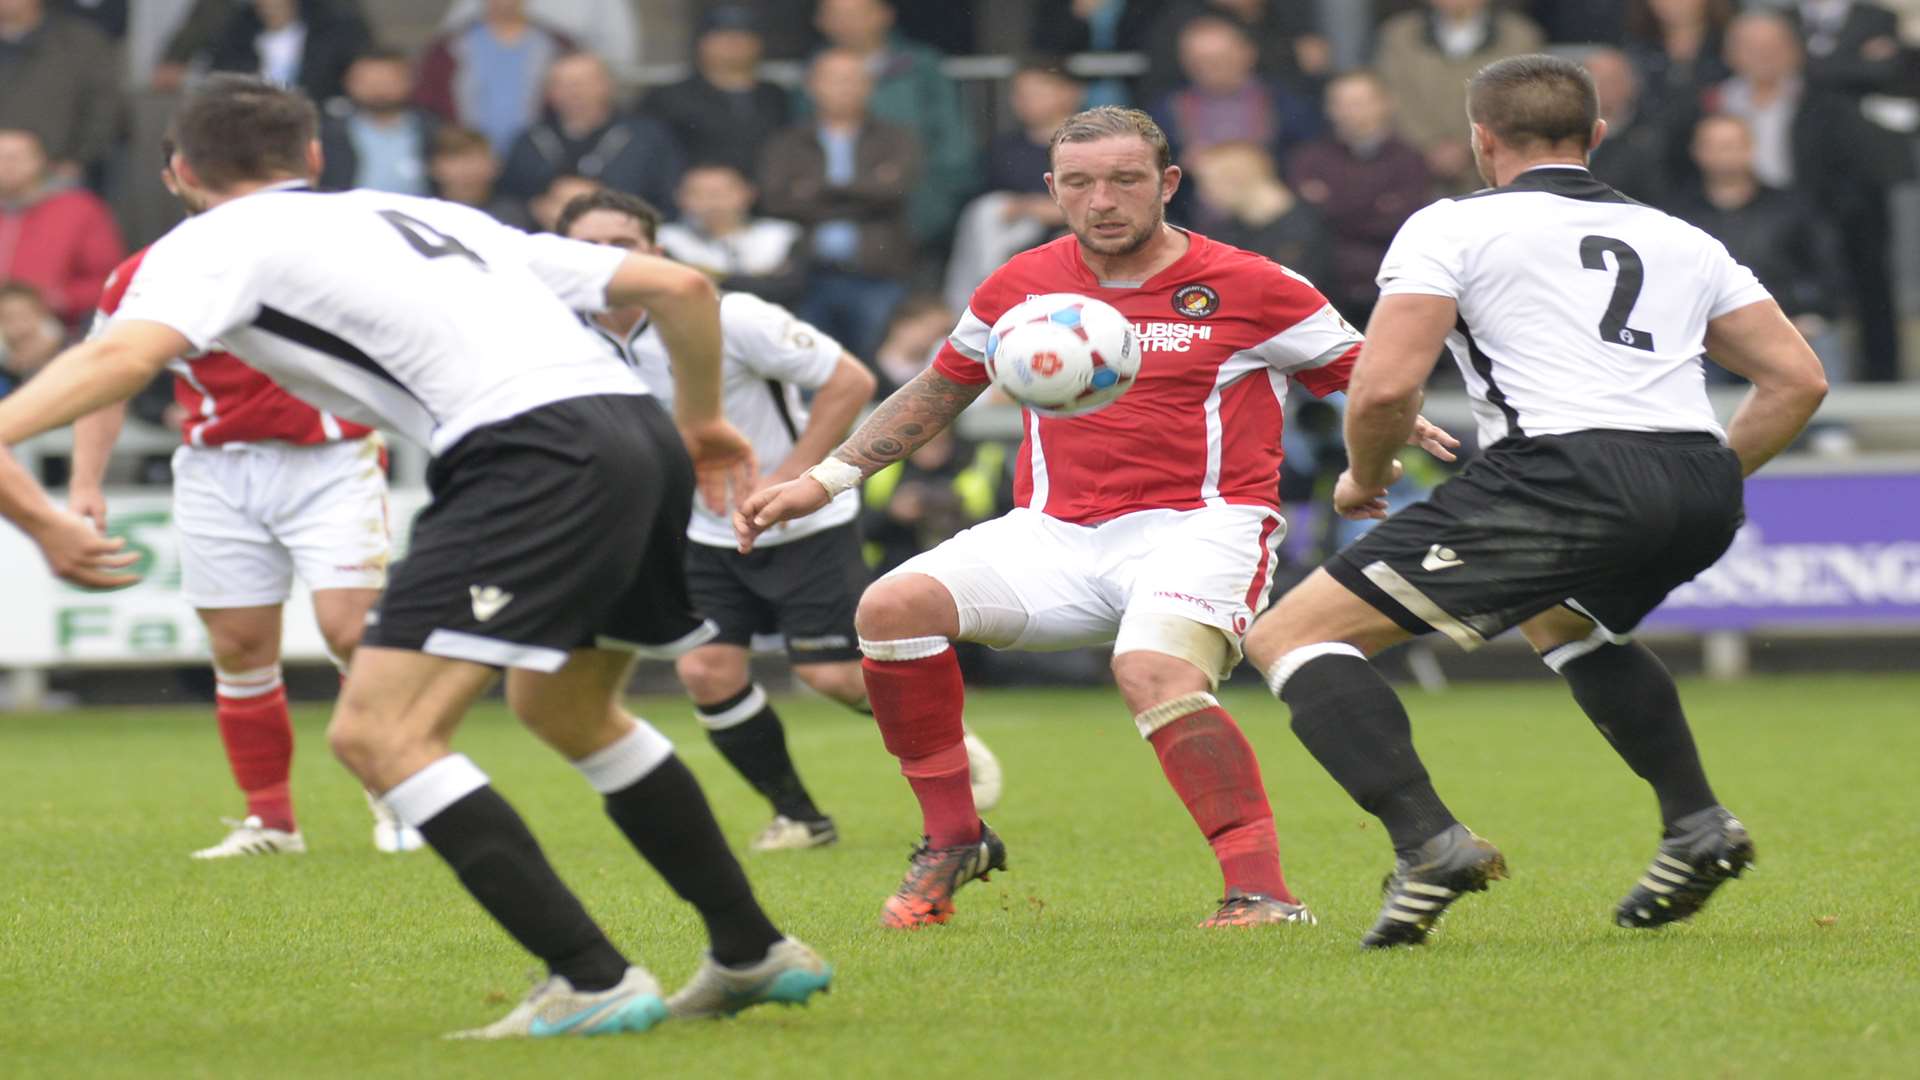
x=1222, y=331
x=225, y=400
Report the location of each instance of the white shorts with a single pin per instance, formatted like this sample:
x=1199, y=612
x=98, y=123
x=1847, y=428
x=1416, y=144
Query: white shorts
x=252, y=515
x=1029, y=581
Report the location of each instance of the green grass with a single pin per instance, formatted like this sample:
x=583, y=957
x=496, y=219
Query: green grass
x=119, y=956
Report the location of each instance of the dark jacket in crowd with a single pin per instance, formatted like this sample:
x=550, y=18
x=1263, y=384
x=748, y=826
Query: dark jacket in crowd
x=336, y=33
x=62, y=82
x=1780, y=237
x=1365, y=201
x=341, y=169
x=629, y=153
x=793, y=185
x=719, y=126
x=1016, y=163
x=1667, y=85
x=1835, y=57
x=1637, y=159
x=1298, y=240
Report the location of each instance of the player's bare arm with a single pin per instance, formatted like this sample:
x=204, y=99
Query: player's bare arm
x=903, y=423
x=1404, y=340
x=835, y=407
x=93, y=438
x=1760, y=343
x=686, y=308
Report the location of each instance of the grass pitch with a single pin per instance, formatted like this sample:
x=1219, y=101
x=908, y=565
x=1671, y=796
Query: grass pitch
x=121, y=957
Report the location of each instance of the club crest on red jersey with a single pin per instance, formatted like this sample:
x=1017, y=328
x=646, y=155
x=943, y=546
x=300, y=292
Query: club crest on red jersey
x=1195, y=301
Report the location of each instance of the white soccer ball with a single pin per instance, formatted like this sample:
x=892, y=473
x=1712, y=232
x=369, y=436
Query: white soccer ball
x=1063, y=354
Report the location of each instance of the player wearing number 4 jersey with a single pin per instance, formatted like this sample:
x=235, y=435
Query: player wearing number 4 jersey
x=554, y=546
x=266, y=487
x=1578, y=318
x=1151, y=524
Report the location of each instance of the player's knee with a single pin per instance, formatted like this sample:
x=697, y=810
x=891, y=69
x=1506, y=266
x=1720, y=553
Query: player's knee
x=356, y=739
x=843, y=682
x=709, y=676
x=1147, y=679
x=342, y=640
x=909, y=606
x=244, y=649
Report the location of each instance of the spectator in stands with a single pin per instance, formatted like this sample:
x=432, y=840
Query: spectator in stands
x=301, y=43
x=374, y=137
x=717, y=233
x=59, y=78
x=945, y=486
x=610, y=28
x=1426, y=57
x=1777, y=234
x=585, y=133
x=1676, y=47
x=1065, y=27
x=1636, y=156
x=1587, y=22
x=1226, y=99
x=846, y=175
x=1291, y=51
x=724, y=111
x=1243, y=202
x=1365, y=180
x=1852, y=47
x=464, y=170
x=30, y=334
x=490, y=74
x=1016, y=212
x=910, y=90
x=61, y=240
x=1816, y=141
x=919, y=327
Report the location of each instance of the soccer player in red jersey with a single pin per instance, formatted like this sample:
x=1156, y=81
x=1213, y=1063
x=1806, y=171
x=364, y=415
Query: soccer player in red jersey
x=1151, y=524
x=266, y=487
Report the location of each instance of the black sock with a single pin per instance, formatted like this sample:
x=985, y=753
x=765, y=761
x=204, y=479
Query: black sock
x=497, y=859
x=1630, y=697
x=757, y=749
x=1354, y=725
x=668, y=820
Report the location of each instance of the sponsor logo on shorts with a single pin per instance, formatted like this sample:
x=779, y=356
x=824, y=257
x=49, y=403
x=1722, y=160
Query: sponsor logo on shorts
x=1440, y=558
x=1186, y=599
x=1195, y=301
x=814, y=644
x=488, y=600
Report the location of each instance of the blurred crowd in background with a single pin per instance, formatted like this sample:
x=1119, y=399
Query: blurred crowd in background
x=867, y=163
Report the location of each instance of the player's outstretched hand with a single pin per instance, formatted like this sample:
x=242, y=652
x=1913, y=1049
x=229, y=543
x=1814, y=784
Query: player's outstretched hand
x=78, y=554
x=1433, y=438
x=723, y=462
x=89, y=503
x=1358, y=503
x=772, y=505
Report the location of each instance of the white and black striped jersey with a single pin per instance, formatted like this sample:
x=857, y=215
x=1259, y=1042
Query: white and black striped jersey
x=1579, y=308
x=768, y=356
x=423, y=317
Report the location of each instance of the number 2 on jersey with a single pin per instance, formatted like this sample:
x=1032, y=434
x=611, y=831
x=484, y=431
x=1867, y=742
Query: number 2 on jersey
x=1629, y=275
x=428, y=240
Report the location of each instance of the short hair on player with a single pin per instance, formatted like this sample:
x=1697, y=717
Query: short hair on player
x=1534, y=100
x=237, y=128
x=1112, y=121
x=618, y=202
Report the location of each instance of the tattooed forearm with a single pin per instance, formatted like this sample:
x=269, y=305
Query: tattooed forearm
x=907, y=420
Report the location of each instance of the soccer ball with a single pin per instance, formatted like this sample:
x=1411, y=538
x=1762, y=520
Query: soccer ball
x=1063, y=354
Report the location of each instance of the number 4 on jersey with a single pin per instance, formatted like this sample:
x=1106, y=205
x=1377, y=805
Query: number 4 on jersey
x=1629, y=275
x=428, y=240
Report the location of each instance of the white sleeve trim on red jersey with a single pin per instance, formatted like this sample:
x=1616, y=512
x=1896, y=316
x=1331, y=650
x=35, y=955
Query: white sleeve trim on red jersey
x=1314, y=342
x=969, y=338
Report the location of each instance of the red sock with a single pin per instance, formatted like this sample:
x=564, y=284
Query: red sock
x=1211, y=766
x=258, y=735
x=917, y=704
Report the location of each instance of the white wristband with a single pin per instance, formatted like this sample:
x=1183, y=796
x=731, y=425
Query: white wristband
x=835, y=475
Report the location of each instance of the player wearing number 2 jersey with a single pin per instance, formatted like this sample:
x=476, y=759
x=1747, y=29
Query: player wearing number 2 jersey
x=554, y=545
x=1151, y=524
x=266, y=487
x=1578, y=318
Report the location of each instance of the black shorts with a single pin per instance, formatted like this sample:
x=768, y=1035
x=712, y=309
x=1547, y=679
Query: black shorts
x=560, y=528
x=805, y=589
x=1606, y=522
